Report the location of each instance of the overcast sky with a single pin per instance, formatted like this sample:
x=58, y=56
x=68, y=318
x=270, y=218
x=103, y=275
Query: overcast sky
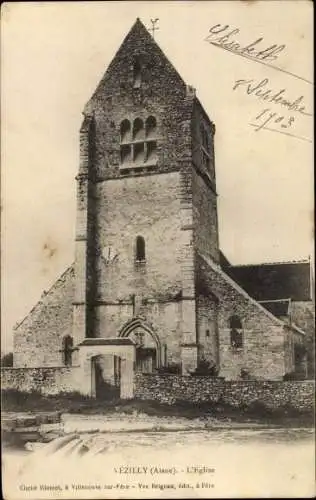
x=53, y=56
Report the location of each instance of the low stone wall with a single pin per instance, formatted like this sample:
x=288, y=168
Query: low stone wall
x=273, y=394
x=47, y=381
x=171, y=388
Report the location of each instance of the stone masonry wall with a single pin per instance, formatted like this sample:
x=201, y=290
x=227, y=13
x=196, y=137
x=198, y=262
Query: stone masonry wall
x=170, y=388
x=303, y=315
x=204, y=197
x=204, y=217
x=207, y=328
x=139, y=206
x=45, y=380
x=38, y=338
x=273, y=394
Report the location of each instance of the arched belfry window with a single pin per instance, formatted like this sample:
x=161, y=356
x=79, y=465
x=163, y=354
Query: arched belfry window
x=137, y=74
x=125, y=131
x=151, y=143
x=236, y=332
x=138, y=143
x=138, y=130
x=151, y=127
x=140, y=254
x=67, y=350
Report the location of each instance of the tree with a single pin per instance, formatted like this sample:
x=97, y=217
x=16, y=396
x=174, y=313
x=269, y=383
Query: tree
x=7, y=359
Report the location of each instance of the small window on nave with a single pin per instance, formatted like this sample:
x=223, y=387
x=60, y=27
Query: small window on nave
x=236, y=332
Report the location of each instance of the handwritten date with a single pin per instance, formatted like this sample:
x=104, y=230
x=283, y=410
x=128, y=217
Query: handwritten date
x=268, y=117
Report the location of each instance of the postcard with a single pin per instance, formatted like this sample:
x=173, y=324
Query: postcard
x=157, y=250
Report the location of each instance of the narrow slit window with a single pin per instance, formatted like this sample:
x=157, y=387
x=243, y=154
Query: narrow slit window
x=137, y=75
x=140, y=249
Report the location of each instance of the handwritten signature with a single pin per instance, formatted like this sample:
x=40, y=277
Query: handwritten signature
x=222, y=36
x=261, y=91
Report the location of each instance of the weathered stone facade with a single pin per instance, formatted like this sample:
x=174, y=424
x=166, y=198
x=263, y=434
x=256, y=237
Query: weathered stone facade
x=147, y=259
x=38, y=338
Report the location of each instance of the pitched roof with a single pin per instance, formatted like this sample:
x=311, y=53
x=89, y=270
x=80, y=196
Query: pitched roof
x=274, y=281
x=231, y=282
x=278, y=308
x=138, y=41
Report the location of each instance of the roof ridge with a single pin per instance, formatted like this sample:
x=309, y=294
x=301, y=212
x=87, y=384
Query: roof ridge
x=274, y=300
x=299, y=261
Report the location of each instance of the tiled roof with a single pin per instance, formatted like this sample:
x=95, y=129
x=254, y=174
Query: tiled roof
x=274, y=281
x=278, y=308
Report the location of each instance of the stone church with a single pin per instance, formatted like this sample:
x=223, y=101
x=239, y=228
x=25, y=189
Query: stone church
x=149, y=288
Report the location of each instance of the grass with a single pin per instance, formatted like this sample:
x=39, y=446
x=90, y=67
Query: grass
x=16, y=401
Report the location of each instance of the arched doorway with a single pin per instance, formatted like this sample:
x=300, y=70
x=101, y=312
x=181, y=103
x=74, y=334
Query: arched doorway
x=147, y=343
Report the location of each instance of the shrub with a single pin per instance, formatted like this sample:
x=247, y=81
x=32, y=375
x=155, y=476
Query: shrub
x=205, y=368
x=293, y=376
x=7, y=360
x=300, y=350
x=244, y=374
x=171, y=368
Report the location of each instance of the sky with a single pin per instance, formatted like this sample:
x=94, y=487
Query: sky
x=53, y=56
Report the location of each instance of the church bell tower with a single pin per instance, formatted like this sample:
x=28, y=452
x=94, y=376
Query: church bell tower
x=146, y=205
